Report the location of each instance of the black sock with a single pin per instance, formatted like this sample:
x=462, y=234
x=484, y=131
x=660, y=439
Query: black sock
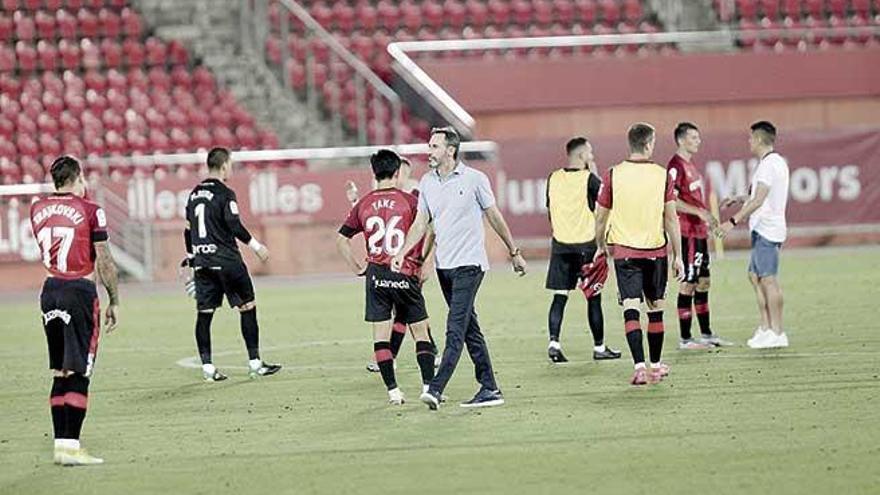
x=250, y=331
x=554, y=319
x=634, y=335
x=655, y=335
x=425, y=358
x=685, y=315
x=76, y=402
x=595, y=319
x=398, y=332
x=203, y=335
x=56, y=403
x=386, y=363
x=701, y=307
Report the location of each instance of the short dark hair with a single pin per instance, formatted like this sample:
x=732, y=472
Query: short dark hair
x=639, y=135
x=682, y=129
x=452, y=137
x=217, y=157
x=65, y=169
x=574, y=143
x=385, y=164
x=767, y=131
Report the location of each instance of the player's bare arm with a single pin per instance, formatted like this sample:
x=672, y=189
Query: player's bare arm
x=602, y=215
x=343, y=245
x=499, y=225
x=706, y=215
x=670, y=225
x=732, y=201
x=351, y=192
x=761, y=192
x=109, y=275
x=415, y=234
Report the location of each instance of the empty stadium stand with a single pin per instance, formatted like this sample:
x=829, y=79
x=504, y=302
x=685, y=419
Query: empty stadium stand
x=86, y=77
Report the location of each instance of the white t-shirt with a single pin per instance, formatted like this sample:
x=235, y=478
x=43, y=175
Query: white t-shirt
x=769, y=219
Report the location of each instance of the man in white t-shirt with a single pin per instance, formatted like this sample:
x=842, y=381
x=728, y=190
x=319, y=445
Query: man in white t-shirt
x=765, y=209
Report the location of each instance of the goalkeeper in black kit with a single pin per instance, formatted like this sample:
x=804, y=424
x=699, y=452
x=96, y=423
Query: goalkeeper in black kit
x=212, y=228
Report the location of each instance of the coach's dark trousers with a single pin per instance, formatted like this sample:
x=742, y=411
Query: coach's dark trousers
x=459, y=286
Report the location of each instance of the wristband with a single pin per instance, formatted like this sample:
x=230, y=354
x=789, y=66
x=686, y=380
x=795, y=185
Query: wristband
x=255, y=244
x=516, y=252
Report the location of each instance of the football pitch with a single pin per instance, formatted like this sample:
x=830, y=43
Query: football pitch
x=799, y=420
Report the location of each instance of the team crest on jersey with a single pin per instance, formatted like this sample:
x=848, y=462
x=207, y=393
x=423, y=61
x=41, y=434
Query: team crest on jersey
x=102, y=218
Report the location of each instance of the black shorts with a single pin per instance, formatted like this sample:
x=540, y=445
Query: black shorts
x=641, y=278
x=212, y=283
x=387, y=290
x=71, y=320
x=696, y=258
x=565, y=267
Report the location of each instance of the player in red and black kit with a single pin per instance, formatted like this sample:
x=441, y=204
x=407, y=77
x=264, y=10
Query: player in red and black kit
x=384, y=216
x=72, y=236
x=398, y=329
x=695, y=220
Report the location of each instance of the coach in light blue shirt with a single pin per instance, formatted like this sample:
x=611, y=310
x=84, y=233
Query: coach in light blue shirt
x=455, y=198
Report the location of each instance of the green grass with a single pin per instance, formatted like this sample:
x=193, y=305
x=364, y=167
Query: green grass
x=800, y=420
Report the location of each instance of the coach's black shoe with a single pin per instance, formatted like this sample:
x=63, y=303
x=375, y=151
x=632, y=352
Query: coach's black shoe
x=608, y=353
x=485, y=398
x=265, y=369
x=431, y=399
x=556, y=355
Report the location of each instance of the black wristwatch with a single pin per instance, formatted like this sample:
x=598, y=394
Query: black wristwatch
x=516, y=252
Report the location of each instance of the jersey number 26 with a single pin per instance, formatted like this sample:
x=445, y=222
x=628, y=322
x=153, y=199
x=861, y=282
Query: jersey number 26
x=386, y=237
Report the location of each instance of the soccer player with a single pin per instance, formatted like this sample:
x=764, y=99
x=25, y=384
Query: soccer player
x=72, y=236
x=638, y=202
x=383, y=217
x=765, y=209
x=571, y=201
x=455, y=199
x=212, y=227
x=695, y=221
x=398, y=329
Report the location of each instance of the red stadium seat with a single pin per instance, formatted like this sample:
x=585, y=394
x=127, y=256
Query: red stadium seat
x=177, y=53
x=132, y=25
x=389, y=14
x=815, y=8
x=48, y=55
x=433, y=14
x=610, y=12
x=26, y=55
x=770, y=9
x=522, y=12
x=7, y=27
x=91, y=55
x=366, y=16
x=344, y=17
x=157, y=51
x=747, y=9
x=70, y=55
x=88, y=24
x=133, y=51
x=111, y=53
x=586, y=11
x=861, y=8
x=7, y=58
x=67, y=24
x=477, y=13
x=10, y=5
x=45, y=25
x=110, y=22
x=499, y=12
x=791, y=9
x=25, y=29
x=838, y=8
